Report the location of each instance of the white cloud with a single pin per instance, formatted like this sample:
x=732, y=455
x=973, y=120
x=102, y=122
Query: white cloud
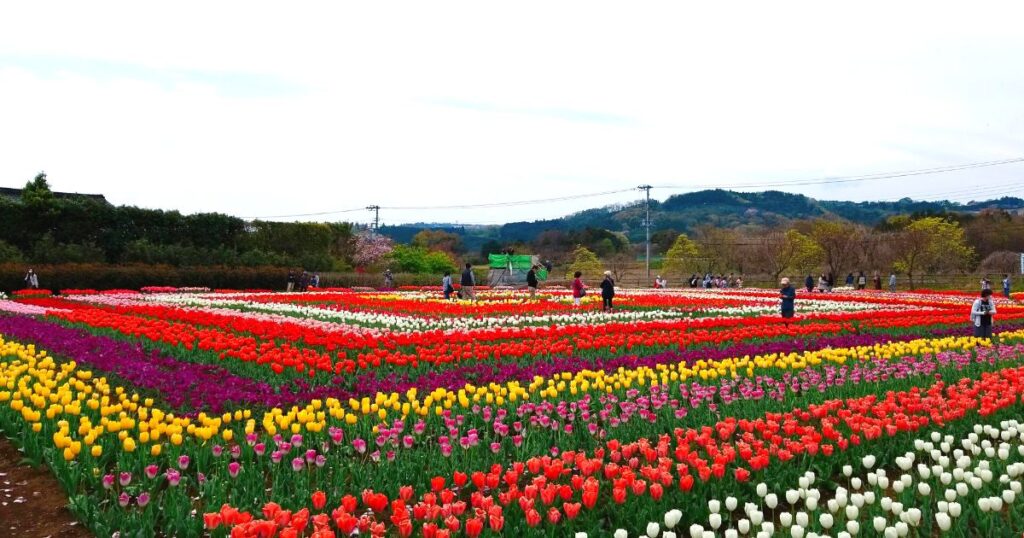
x=254, y=109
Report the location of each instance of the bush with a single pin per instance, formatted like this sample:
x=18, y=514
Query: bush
x=135, y=276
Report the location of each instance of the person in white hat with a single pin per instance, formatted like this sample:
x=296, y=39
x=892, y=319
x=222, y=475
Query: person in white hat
x=788, y=296
x=607, y=291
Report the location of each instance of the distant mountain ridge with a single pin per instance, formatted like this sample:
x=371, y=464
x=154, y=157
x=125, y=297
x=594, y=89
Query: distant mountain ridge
x=717, y=207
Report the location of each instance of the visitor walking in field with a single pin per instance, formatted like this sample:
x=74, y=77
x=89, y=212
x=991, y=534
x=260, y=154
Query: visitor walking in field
x=892, y=282
x=607, y=291
x=532, y=282
x=877, y=281
x=862, y=280
x=788, y=296
x=809, y=283
x=822, y=283
x=981, y=314
x=389, y=279
x=578, y=288
x=291, y=281
x=314, y=281
x=446, y=285
x=849, y=280
x=31, y=280
x=468, y=283
x=986, y=284
x=1006, y=286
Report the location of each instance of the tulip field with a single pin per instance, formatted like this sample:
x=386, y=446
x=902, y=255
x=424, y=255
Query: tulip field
x=682, y=413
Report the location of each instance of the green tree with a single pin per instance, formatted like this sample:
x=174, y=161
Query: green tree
x=9, y=253
x=781, y=251
x=839, y=241
x=682, y=257
x=931, y=244
x=585, y=261
x=37, y=192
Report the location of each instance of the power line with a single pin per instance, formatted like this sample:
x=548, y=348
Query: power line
x=508, y=204
x=851, y=179
x=353, y=210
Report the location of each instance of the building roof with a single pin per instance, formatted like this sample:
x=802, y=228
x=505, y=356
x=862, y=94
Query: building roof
x=16, y=193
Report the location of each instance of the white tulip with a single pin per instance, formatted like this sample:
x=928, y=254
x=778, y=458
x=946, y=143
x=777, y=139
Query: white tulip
x=890, y=532
x=581, y=535
x=1009, y=496
x=811, y=503
x=852, y=512
x=944, y=447
x=897, y=508
x=879, y=523
x=653, y=530
x=946, y=479
x=872, y=479
x=914, y=516
x=955, y=509
x=743, y=525
x=786, y=519
x=832, y=505
x=961, y=489
x=907, y=480
x=924, y=489
x=1004, y=454
x=883, y=482
x=869, y=497
x=903, y=463
x=756, y=518
x=762, y=490
x=898, y=486
x=996, y=503
x=768, y=527
x=852, y=527
x=668, y=534
x=731, y=533
x=886, y=503
x=715, y=520
x=936, y=437
x=792, y=496
x=944, y=462
x=857, y=499
x=918, y=445
x=923, y=471
x=847, y=470
x=708, y=534
x=803, y=483
x=802, y=519
x=826, y=521
x=943, y=521
x=976, y=482
x=958, y=474
x=811, y=477
x=672, y=518
x=943, y=506
x=1015, y=486
x=696, y=531
x=621, y=533
x=986, y=475
x=856, y=483
x=843, y=534
x=763, y=534
x=902, y=529
x=797, y=531
x=771, y=501
x=714, y=506
x=984, y=504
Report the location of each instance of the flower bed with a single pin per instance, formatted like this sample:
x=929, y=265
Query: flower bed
x=252, y=413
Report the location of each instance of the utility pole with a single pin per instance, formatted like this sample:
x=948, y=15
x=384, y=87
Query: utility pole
x=376, y=216
x=647, y=225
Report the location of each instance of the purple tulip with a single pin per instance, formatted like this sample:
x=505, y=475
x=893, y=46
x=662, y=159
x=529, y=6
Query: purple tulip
x=125, y=478
x=298, y=464
x=142, y=499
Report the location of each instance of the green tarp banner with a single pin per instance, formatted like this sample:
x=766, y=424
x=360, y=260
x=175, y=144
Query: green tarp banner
x=520, y=262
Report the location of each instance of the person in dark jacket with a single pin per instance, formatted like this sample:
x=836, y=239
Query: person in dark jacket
x=788, y=296
x=291, y=281
x=579, y=289
x=531, y=281
x=809, y=283
x=981, y=314
x=877, y=281
x=468, y=283
x=862, y=281
x=849, y=280
x=607, y=291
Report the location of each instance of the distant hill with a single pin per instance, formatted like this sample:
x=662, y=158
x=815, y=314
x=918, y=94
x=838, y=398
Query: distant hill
x=721, y=208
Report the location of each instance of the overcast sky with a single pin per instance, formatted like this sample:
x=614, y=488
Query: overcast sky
x=259, y=109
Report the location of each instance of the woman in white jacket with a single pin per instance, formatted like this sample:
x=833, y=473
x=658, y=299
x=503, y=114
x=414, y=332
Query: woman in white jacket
x=981, y=314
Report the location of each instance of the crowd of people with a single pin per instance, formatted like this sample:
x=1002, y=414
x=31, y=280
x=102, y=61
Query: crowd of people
x=714, y=281
x=302, y=280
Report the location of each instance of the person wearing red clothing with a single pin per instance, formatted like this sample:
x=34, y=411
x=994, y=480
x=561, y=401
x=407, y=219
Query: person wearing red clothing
x=578, y=288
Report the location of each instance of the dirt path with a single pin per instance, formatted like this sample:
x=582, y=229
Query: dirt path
x=32, y=504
